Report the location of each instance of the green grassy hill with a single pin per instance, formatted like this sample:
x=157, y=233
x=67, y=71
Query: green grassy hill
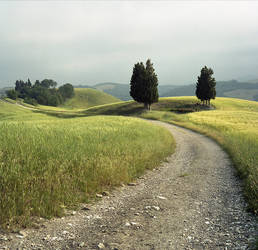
x=86, y=97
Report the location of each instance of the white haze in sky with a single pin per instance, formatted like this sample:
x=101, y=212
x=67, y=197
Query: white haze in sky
x=84, y=42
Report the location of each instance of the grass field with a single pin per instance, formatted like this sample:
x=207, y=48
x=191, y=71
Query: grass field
x=49, y=163
x=69, y=155
x=233, y=124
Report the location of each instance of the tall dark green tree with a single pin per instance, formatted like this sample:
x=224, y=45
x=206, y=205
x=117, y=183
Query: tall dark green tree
x=205, y=86
x=23, y=88
x=144, y=84
x=137, y=80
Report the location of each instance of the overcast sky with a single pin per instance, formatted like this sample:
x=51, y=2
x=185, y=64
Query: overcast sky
x=86, y=42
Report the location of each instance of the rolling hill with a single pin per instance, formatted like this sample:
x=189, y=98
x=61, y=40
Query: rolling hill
x=87, y=97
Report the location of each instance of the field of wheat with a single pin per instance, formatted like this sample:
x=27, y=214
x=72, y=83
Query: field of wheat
x=48, y=163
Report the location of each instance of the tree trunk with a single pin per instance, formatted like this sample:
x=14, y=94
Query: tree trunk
x=147, y=106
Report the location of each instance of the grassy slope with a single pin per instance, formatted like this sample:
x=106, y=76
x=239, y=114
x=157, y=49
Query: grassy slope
x=85, y=98
x=48, y=163
x=233, y=124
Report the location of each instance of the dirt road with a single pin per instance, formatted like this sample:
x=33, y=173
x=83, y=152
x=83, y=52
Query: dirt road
x=193, y=201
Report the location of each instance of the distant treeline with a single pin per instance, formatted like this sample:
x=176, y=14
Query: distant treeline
x=44, y=92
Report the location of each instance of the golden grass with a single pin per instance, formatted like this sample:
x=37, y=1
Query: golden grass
x=234, y=125
x=48, y=163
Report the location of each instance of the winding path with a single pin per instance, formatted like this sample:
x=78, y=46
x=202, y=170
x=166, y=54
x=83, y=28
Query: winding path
x=193, y=201
x=18, y=104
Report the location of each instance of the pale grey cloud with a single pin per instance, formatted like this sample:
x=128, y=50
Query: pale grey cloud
x=85, y=42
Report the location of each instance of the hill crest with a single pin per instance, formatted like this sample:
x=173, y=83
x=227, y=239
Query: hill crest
x=88, y=97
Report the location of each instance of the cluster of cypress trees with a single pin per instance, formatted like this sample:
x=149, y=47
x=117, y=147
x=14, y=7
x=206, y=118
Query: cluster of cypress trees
x=144, y=83
x=205, y=86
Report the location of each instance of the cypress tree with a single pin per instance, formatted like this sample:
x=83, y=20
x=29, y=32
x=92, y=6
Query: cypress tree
x=144, y=83
x=205, y=86
x=137, y=80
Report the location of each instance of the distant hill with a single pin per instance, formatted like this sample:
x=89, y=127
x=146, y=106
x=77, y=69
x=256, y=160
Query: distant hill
x=88, y=97
x=233, y=88
x=253, y=81
x=122, y=91
x=164, y=89
x=118, y=90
